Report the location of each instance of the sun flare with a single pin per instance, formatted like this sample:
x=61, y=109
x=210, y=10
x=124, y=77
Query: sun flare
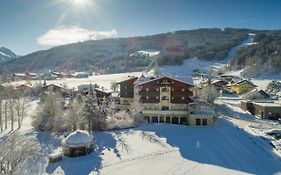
x=80, y=2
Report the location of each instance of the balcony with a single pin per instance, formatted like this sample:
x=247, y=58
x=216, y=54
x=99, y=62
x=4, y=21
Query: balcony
x=168, y=112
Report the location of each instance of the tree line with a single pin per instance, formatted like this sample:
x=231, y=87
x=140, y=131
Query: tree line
x=264, y=55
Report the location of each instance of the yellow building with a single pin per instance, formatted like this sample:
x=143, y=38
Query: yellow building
x=242, y=86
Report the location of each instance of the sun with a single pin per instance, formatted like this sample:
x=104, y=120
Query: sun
x=80, y=2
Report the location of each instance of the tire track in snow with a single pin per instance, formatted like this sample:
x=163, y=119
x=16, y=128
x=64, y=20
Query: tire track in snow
x=142, y=157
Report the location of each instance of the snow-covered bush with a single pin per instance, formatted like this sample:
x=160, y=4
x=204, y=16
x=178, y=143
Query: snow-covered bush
x=120, y=120
x=273, y=87
x=207, y=93
x=48, y=113
x=253, y=95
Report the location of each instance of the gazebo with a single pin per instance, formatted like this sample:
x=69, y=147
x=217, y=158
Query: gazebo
x=78, y=143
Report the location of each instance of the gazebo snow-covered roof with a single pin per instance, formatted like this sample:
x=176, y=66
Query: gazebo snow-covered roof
x=78, y=138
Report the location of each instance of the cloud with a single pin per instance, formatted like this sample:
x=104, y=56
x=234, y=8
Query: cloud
x=66, y=35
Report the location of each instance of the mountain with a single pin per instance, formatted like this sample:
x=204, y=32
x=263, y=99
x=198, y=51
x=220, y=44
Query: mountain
x=263, y=57
x=118, y=55
x=6, y=55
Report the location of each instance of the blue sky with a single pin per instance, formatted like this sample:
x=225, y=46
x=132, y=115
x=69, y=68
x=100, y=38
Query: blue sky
x=30, y=25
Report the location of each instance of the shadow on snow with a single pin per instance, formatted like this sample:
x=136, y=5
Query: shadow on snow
x=88, y=163
x=223, y=145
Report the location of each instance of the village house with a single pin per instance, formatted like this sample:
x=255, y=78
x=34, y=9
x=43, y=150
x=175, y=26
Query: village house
x=24, y=76
x=53, y=88
x=220, y=85
x=126, y=94
x=227, y=78
x=167, y=100
x=242, y=86
x=264, y=110
x=24, y=88
x=101, y=94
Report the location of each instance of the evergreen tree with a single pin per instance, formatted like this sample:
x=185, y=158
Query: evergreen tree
x=90, y=109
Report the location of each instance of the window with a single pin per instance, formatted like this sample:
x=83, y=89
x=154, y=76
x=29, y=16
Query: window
x=204, y=122
x=164, y=89
x=182, y=98
x=161, y=119
x=168, y=120
x=157, y=89
x=165, y=98
x=198, y=121
x=154, y=119
x=183, y=90
x=147, y=89
x=157, y=97
x=147, y=97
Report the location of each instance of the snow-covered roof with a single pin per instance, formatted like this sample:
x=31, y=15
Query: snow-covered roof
x=268, y=104
x=19, y=74
x=78, y=138
x=183, y=79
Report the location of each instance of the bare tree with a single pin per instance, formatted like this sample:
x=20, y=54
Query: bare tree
x=75, y=112
x=22, y=103
x=113, y=86
x=1, y=119
x=16, y=150
x=207, y=93
x=6, y=113
x=136, y=110
x=12, y=111
x=5, y=75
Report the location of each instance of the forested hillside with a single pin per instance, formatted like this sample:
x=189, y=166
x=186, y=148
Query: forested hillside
x=265, y=54
x=115, y=55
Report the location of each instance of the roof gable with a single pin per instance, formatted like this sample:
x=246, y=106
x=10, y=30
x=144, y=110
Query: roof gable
x=165, y=80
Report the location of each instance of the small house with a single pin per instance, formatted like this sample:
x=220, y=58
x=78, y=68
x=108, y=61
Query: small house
x=24, y=88
x=242, y=86
x=220, y=85
x=53, y=88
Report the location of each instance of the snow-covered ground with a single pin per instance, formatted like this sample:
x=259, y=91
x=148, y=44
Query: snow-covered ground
x=26, y=123
x=101, y=80
x=236, y=144
x=175, y=149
